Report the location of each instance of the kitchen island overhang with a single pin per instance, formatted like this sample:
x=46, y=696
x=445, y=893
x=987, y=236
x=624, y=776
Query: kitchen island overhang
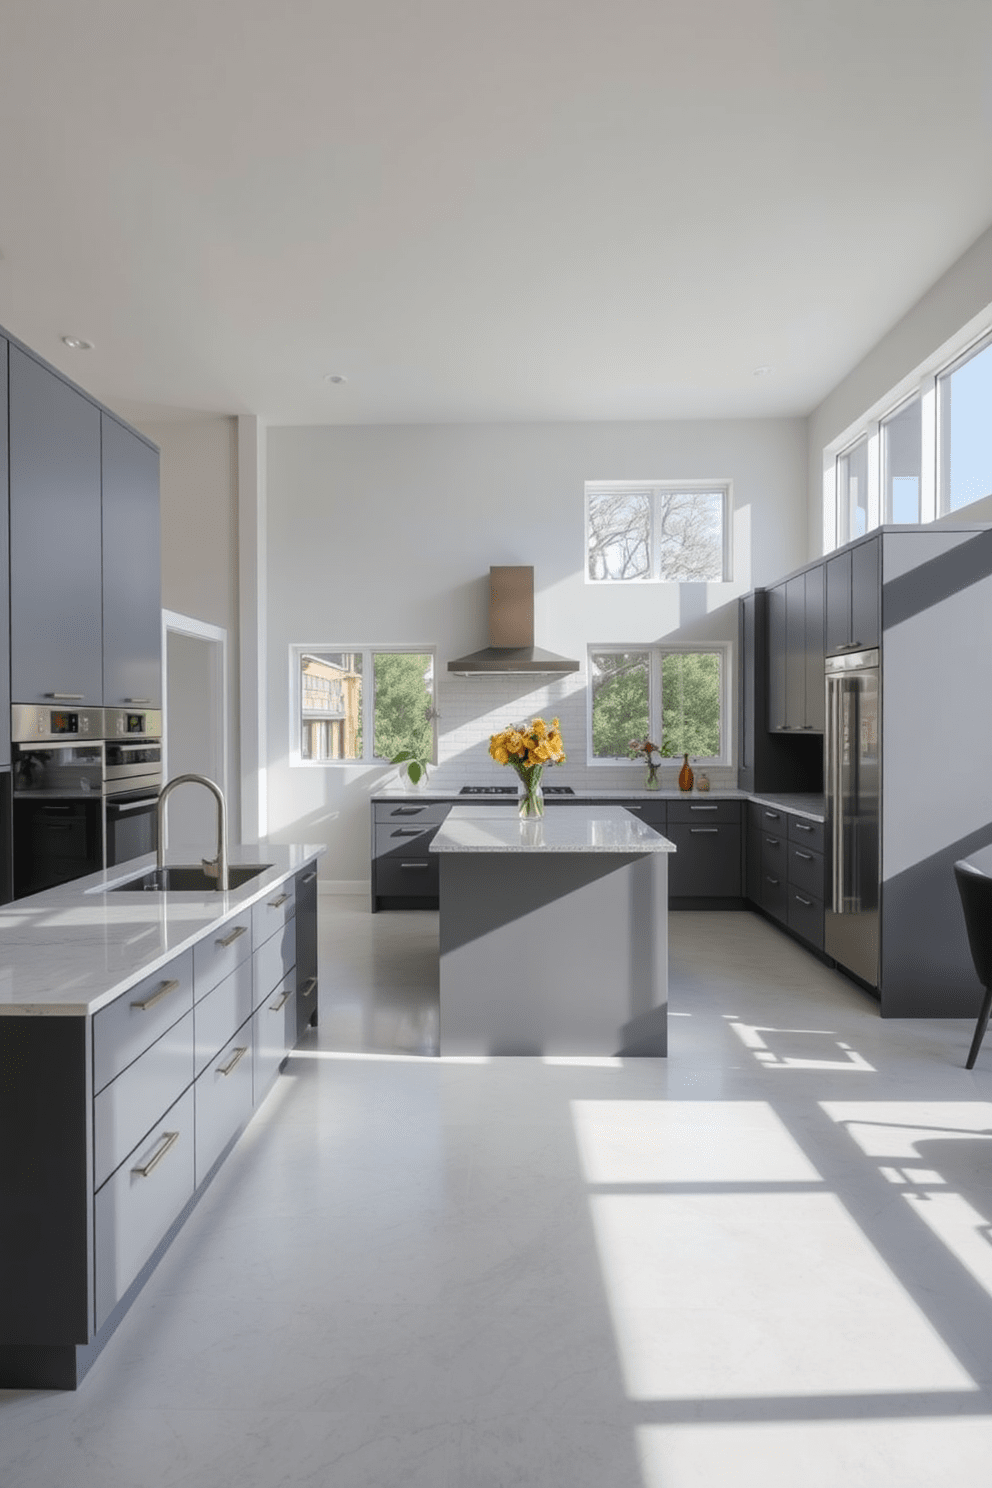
x=553, y=933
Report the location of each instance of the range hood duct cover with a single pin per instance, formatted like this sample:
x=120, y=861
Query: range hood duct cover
x=511, y=650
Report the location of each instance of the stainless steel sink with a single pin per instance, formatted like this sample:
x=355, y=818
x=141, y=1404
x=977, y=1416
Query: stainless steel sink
x=189, y=878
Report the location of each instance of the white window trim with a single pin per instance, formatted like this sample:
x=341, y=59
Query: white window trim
x=656, y=651
x=368, y=762
x=958, y=349
x=720, y=484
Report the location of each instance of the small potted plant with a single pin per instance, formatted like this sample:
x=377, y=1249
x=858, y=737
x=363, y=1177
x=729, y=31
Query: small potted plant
x=644, y=749
x=414, y=762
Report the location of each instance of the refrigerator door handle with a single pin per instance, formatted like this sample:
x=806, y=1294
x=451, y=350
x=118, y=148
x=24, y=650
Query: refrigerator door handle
x=835, y=687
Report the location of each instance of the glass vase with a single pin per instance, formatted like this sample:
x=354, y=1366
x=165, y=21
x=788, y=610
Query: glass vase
x=652, y=782
x=531, y=804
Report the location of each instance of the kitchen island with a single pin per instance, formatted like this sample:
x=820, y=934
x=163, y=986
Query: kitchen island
x=553, y=933
x=139, y=1031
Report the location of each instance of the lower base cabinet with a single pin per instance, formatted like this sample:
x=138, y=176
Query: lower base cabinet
x=153, y=1090
x=786, y=870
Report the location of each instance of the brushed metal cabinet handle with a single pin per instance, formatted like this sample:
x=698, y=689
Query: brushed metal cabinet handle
x=704, y=808
x=137, y=700
x=169, y=1141
x=309, y=877
x=803, y=827
x=774, y=841
x=808, y=902
x=277, y=1007
x=308, y=988
x=701, y=831
x=415, y=865
x=806, y=857
x=774, y=881
x=772, y=815
x=278, y=903
x=163, y=990
x=233, y=1062
x=66, y=697
x=236, y=933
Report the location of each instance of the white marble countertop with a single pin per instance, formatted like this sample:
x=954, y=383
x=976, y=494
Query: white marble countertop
x=70, y=950
x=801, y=804
x=583, y=829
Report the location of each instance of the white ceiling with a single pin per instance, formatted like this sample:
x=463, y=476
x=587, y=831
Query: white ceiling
x=483, y=209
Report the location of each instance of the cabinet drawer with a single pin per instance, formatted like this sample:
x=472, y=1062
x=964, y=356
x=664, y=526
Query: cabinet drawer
x=223, y=1095
x=403, y=839
x=707, y=862
x=129, y=1106
x=273, y=961
x=774, y=854
x=772, y=818
x=414, y=875
x=806, y=871
x=220, y=952
x=655, y=813
x=809, y=834
x=774, y=895
x=273, y=912
x=399, y=812
x=274, y=1034
x=134, y=1209
x=805, y=917
x=127, y=1027
x=218, y=1016
x=703, y=813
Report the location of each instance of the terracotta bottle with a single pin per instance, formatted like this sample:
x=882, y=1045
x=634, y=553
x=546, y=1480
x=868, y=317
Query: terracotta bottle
x=686, y=776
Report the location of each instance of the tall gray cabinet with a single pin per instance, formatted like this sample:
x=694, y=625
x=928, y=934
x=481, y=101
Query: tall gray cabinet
x=132, y=606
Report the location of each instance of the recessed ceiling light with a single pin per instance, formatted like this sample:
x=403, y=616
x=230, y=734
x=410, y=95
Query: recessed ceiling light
x=77, y=343
x=762, y=371
x=334, y=377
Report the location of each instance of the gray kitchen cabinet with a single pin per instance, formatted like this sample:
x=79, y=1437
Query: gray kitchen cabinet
x=56, y=600
x=769, y=759
x=404, y=874
x=778, y=657
x=306, y=950
x=132, y=605
x=786, y=869
x=853, y=598
x=795, y=654
x=813, y=650
x=707, y=860
x=4, y=575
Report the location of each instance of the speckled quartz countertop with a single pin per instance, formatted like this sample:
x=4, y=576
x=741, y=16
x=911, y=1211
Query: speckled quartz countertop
x=811, y=806
x=583, y=829
x=71, y=950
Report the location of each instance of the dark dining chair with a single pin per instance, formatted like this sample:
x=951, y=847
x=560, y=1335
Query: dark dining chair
x=975, y=889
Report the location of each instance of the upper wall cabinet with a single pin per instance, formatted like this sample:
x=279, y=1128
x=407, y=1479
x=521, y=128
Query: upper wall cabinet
x=795, y=654
x=56, y=607
x=853, y=594
x=132, y=638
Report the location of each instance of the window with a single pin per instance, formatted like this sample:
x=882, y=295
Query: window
x=661, y=531
x=674, y=696
x=852, y=491
x=902, y=446
x=964, y=398
x=342, y=720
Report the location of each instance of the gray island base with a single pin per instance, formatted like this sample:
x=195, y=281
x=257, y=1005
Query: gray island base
x=553, y=933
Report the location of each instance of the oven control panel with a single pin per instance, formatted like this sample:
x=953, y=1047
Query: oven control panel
x=30, y=724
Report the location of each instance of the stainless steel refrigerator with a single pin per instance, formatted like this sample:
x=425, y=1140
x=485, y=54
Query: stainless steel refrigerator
x=853, y=794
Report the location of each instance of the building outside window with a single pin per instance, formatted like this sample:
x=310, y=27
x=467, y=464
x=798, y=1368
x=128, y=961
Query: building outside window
x=657, y=531
x=364, y=705
x=676, y=697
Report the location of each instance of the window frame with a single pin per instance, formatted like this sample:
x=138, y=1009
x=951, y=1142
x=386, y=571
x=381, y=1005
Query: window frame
x=656, y=655
x=368, y=761
x=722, y=487
x=943, y=375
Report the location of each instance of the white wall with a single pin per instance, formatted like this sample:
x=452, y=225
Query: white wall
x=960, y=300
x=200, y=543
x=385, y=535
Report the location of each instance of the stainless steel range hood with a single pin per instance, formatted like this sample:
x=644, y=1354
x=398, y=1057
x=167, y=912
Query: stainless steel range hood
x=511, y=650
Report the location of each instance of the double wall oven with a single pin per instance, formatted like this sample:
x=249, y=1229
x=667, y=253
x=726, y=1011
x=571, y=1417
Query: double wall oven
x=86, y=784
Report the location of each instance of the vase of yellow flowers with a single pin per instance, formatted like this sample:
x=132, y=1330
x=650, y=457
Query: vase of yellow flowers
x=528, y=747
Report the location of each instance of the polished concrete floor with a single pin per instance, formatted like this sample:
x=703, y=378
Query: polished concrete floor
x=764, y=1261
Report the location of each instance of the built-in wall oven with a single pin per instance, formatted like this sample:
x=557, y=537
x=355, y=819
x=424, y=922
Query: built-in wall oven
x=86, y=783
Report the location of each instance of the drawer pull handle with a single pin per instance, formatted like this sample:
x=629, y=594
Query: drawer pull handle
x=277, y=1007
x=407, y=811
x=236, y=933
x=233, y=1062
x=309, y=987
x=704, y=808
x=803, y=827
x=66, y=697
x=774, y=841
x=773, y=881
x=163, y=990
x=408, y=832
x=278, y=903
x=806, y=857
x=808, y=902
x=309, y=877
x=169, y=1141
x=415, y=865
x=696, y=831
